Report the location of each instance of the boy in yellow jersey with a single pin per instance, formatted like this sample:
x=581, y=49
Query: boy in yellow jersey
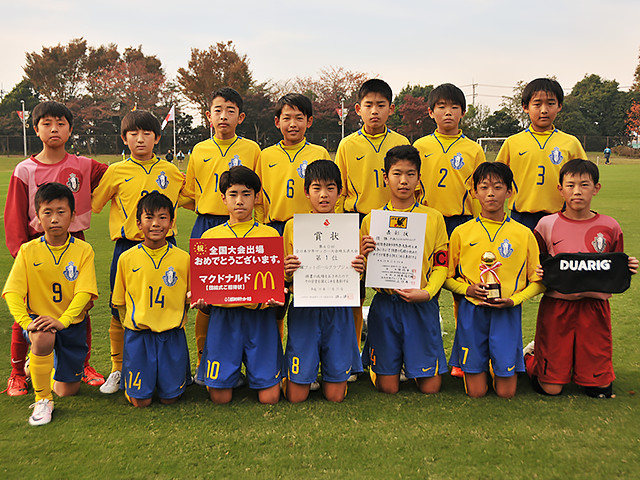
x=124, y=183
x=240, y=333
x=49, y=290
x=209, y=160
x=282, y=167
x=448, y=158
x=492, y=262
x=151, y=286
x=536, y=154
x=404, y=324
x=360, y=157
x=319, y=334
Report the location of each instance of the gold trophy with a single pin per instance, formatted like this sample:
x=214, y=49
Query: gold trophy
x=489, y=276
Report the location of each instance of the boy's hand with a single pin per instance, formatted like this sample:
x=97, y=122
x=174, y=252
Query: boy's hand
x=201, y=305
x=291, y=264
x=633, y=265
x=45, y=323
x=274, y=303
x=413, y=295
x=477, y=290
x=499, y=303
x=358, y=264
x=539, y=271
x=367, y=245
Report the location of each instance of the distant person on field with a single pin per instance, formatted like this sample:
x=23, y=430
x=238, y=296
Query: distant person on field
x=180, y=156
x=607, y=154
x=53, y=123
x=573, y=332
x=536, y=154
x=50, y=288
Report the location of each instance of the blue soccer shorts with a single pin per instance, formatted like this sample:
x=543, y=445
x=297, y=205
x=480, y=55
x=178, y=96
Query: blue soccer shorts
x=205, y=221
x=240, y=335
x=321, y=335
x=405, y=333
x=155, y=360
x=70, y=350
x=487, y=333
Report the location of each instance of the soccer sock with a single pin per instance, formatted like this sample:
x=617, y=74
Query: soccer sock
x=41, y=367
x=358, y=320
x=86, y=359
x=19, y=349
x=599, y=392
x=202, y=325
x=284, y=384
x=116, y=340
x=373, y=376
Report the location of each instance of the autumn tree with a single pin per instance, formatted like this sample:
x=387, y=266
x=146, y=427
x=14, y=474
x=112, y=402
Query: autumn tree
x=418, y=109
x=208, y=70
x=635, y=86
x=633, y=119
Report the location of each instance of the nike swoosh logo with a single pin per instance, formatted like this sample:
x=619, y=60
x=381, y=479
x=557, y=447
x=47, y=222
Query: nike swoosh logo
x=511, y=369
x=596, y=375
x=136, y=269
x=360, y=158
x=427, y=156
x=271, y=166
x=183, y=384
x=348, y=371
x=78, y=374
x=473, y=244
x=427, y=369
x=37, y=264
x=555, y=243
x=278, y=374
x=38, y=185
x=207, y=159
x=128, y=179
x=522, y=153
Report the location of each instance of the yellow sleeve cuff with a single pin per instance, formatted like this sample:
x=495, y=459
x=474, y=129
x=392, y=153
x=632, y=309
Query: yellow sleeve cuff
x=18, y=309
x=75, y=309
x=530, y=291
x=436, y=280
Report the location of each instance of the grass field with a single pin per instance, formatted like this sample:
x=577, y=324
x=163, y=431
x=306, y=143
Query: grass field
x=408, y=435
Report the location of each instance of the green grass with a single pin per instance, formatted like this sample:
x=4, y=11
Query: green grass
x=408, y=435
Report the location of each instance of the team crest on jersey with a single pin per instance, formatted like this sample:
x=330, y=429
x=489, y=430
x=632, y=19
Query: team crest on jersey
x=457, y=162
x=302, y=169
x=505, y=249
x=599, y=243
x=162, y=180
x=170, y=277
x=70, y=272
x=556, y=156
x=235, y=161
x=73, y=182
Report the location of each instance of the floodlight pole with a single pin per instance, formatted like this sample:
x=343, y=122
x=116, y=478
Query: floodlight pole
x=24, y=129
x=342, y=115
x=175, y=152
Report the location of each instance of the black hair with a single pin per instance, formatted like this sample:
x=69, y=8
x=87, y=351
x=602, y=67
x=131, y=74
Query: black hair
x=375, y=85
x=54, y=191
x=578, y=166
x=295, y=100
x=402, y=152
x=152, y=202
x=547, y=85
x=230, y=95
x=497, y=170
x=449, y=93
x=140, y=120
x=322, y=170
x=51, y=109
x=239, y=175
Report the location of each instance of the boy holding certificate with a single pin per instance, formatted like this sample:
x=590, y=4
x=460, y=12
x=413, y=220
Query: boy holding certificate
x=317, y=335
x=404, y=325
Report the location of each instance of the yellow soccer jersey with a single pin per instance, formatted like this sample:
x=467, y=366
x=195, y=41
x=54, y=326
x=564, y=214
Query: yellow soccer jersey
x=153, y=285
x=124, y=183
x=434, y=258
x=48, y=277
x=448, y=163
x=360, y=158
x=242, y=230
x=535, y=159
x=208, y=161
x=282, y=170
x=513, y=244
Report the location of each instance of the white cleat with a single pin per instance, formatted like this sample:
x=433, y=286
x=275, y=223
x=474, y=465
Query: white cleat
x=112, y=384
x=42, y=411
x=528, y=350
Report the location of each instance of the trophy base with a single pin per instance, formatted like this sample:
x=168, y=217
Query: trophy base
x=493, y=292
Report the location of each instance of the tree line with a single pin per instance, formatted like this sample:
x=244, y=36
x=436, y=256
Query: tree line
x=100, y=84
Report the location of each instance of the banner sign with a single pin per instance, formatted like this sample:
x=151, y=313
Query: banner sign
x=237, y=270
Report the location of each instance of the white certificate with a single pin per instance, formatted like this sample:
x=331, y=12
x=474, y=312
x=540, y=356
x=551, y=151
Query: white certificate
x=326, y=244
x=396, y=261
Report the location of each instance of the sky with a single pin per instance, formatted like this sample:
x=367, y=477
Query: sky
x=492, y=43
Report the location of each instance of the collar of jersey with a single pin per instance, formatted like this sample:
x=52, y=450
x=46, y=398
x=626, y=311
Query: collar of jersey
x=224, y=143
x=147, y=165
x=253, y=224
x=447, y=139
x=375, y=138
x=388, y=206
x=156, y=253
x=482, y=221
x=293, y=148
x=542, y=137
x=53, y=250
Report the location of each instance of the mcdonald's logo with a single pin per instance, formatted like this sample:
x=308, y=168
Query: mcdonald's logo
x=398, y=222
x=264, y=276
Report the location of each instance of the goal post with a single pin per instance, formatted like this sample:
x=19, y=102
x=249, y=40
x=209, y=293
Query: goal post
x=491, y=146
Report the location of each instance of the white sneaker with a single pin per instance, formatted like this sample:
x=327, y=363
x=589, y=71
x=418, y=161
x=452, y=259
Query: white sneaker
x=352, y=378
x=42, y=411
x=315, y=386
x=198, y=382
x=112, y=385
x=528, y=350
x=403, y=377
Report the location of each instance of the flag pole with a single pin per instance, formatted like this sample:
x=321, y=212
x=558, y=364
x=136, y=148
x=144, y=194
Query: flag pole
x=175, y=152
x=24, y=130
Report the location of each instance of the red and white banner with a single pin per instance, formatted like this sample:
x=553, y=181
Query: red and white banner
x=237, y=270
x=171, y=116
